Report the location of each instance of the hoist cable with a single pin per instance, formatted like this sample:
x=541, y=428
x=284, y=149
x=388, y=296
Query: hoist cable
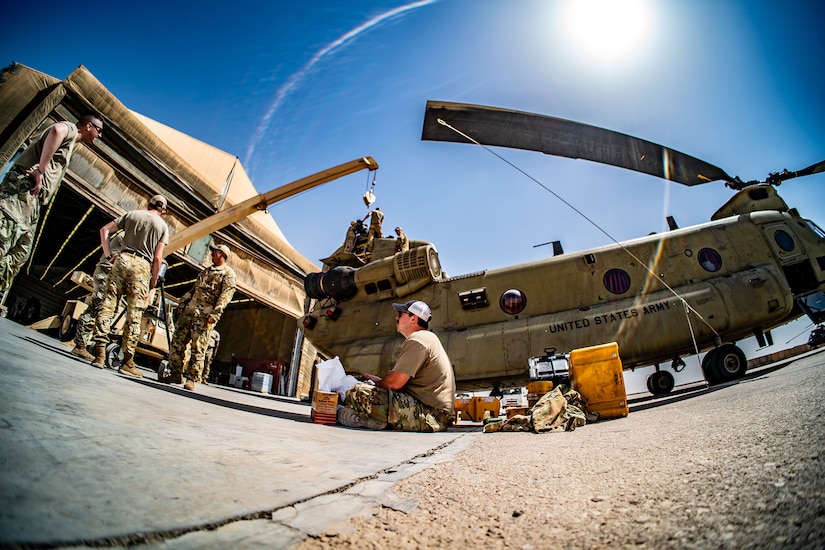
x=687, y=306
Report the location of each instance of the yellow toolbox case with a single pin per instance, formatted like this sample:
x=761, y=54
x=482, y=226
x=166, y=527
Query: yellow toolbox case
x=596, y=373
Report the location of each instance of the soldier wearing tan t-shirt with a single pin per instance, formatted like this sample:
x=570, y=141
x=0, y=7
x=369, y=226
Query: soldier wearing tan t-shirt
x=418, y=394
x=402, y=243
x=134, y=273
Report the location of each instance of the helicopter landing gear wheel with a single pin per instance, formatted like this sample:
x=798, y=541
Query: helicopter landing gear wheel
x=67, y=328
x=729, y=363
x=660, y=383
x=163, y=370
x=707, y=368
x=114, y=356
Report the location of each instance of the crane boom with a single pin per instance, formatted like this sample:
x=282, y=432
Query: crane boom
x=260, y=202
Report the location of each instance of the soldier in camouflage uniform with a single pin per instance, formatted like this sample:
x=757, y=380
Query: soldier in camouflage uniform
x=418, y=394
x=134, y=273
x=86, y=321
x=374, y=232
x=402, y=243
x=351, y=237
x=198, y=313
x=212, y=344
x=31, y=183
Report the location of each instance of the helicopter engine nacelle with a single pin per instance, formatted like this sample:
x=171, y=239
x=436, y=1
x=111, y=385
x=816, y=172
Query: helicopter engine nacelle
x=404, y=273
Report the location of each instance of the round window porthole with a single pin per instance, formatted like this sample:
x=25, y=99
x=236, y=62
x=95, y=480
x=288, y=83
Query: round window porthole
x=617, y=281
x=783, y=240
x=710, y=260
x=512, y=302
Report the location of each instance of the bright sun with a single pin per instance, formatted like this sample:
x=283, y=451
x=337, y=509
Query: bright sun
x=607, y=30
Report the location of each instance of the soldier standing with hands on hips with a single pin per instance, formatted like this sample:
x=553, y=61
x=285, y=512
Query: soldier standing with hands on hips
x=198, y=313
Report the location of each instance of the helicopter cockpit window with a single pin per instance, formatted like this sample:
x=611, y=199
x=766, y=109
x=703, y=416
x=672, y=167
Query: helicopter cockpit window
x=616, y=281
x=815, y=228
x=710, y=260
x=512, y=302
x=783, y=240
x=814, y=306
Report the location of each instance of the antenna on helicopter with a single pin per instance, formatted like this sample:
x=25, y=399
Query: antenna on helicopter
x=557, y=249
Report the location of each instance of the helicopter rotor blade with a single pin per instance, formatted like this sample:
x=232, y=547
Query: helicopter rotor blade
x=565, y=138
x=778, y=177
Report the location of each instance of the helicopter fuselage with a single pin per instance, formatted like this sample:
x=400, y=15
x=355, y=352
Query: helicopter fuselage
x=716, y=282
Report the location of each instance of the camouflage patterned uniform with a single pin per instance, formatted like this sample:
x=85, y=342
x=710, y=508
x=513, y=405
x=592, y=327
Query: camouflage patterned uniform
x=400, y=410
x=20, y=209
x=205, y=302
x=86, y=321
x=374, y=232
x=212, y=343
x=402, y=243
x=352, y=236
x=129, y=277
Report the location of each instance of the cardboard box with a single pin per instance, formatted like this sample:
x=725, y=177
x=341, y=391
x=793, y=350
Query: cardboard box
x=324, y=407
x=261, y=382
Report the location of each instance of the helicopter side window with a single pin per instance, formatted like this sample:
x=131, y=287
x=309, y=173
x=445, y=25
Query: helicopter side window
x=616, y=281
x=512, y=302
x=710, y=260
x=783, y=240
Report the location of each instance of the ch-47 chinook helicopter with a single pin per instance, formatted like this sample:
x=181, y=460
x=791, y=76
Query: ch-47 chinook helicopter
x=755, y=266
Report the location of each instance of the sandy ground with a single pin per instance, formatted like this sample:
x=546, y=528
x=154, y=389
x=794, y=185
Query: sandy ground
x=737, y=467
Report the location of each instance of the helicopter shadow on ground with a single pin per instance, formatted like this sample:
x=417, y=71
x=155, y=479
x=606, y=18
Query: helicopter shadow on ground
x=652, y=401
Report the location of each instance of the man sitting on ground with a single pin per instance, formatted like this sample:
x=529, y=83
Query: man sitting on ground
x=418, y=394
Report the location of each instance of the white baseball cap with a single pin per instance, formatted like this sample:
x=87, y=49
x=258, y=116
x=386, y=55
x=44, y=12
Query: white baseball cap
x=417, y=308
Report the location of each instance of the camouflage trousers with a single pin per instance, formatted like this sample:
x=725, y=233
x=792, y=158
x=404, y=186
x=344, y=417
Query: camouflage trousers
x=86, y=321
x=19, y=214
x=400, y=410
x=194, y=329
x=129, y=278
x=207, y=363
x=372, y=234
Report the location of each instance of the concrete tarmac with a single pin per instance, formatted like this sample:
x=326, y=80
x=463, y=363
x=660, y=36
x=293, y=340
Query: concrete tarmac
x=92, y=458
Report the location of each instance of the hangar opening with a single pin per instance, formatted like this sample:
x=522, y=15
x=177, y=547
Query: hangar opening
x=135, y=159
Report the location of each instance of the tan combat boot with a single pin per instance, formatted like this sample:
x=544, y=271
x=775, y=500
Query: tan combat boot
x=99, y=359
x=173, y=378
x=128, y=366
x=189, y=385
x=349, y=418
x=80, y=351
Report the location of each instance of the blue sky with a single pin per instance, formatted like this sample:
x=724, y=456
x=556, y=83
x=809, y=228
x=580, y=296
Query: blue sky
x=293, y=88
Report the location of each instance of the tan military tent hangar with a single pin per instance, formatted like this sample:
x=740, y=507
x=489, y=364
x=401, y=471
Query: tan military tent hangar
x=137, y=158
